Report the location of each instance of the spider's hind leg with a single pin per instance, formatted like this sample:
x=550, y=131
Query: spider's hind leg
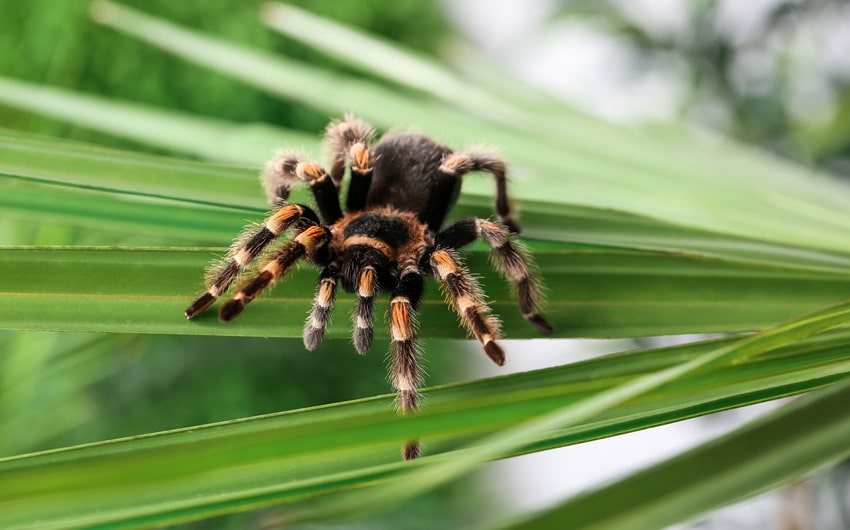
x=509, y=257
x=458, y=164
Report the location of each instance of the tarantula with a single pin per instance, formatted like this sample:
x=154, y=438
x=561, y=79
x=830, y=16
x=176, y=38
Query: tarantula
x=389, y=238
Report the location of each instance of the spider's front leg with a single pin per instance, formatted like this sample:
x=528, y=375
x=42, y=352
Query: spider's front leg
x=279, y=263
x=364, y=270
x=367, y=286
x=509, y=257
x=458, y=164
x=467, y=299
x=244, y=251
x=279, y=175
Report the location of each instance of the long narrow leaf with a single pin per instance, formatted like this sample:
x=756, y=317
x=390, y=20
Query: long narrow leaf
x=781, y=447
x=599, y=293
x=85, y=166
x=385, y=59
x=213, y=139
x=231, y=466
x=137, y=218
x=739, y=192
x=213, y=202
x=450, y=467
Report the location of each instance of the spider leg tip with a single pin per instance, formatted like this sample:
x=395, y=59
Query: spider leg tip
x=363, y=339
x=230, y=310
x=540, y=323
x=495, y=353
x=312, y=338
x=199, y=305
x=411, y=451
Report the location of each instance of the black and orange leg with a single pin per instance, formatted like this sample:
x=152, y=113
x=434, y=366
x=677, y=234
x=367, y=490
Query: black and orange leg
x=405, y=369
x=509, y=257
x=364, y=272
x=277, y=265
x=458, y=164
x=320, y=315
x=287, y=169
x=367, y=286
x=246, y=248
x=467, y=299
x=350, y=140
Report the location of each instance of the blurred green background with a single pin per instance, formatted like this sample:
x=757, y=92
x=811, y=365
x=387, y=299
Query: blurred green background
x=56, y=43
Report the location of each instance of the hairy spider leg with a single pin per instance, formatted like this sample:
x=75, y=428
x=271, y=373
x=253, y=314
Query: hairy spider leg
x=405, y=369
x=509, y=257
x=458, y=164
x=467, y=299
x=361, y=177
x=350, y=140
x=365, y=260
x=320, y=314
x=245, y=249
x=367, y=286
x=287, y=169
x=279, y=263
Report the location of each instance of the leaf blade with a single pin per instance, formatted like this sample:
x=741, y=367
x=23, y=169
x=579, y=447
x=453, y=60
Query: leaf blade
x=774, y=450
x=231, y=466
x=600, y=293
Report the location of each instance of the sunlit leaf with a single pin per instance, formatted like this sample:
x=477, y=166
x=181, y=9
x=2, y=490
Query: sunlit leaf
x=785, y=445
x=449, y=467
x=238, y=465
x=595, y=293
x=717, y=187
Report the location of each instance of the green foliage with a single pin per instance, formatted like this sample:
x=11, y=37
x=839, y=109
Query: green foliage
x=68, y=51
x=749, y=459
x=635, y=233
x=298, y=455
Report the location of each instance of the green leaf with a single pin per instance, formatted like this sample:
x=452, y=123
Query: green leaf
x=386, y=59
x=278, y=75
x=779, y=448
x=213, y=139
x=596, y=293
x=448, y=467
x=34, y=159
x=721, y=188
x=243, y=464
x=207, y=203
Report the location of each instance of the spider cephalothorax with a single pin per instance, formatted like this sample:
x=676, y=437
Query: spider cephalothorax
x=389, y=238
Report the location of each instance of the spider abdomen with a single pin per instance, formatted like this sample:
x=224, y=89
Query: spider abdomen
x=407, y=174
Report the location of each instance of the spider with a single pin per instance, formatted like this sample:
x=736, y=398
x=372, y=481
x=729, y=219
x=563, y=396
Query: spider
x=389, y=238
